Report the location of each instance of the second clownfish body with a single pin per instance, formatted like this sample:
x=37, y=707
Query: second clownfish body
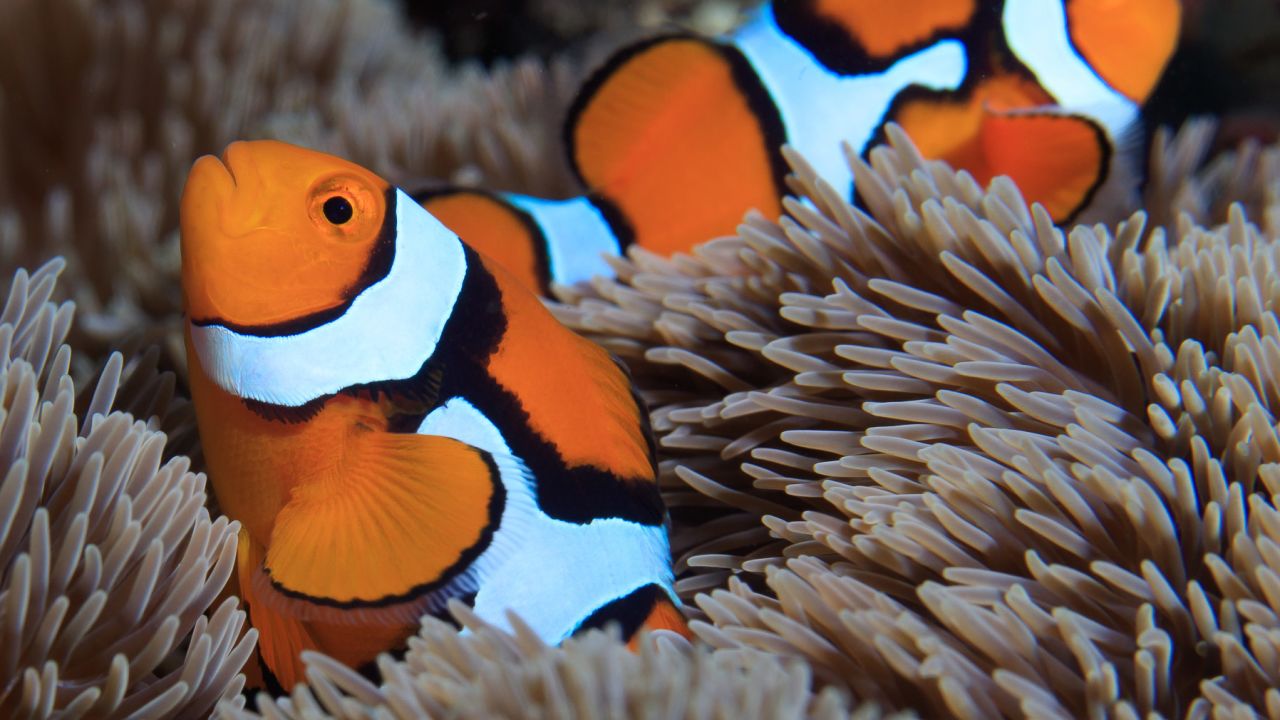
x=396, y=421
x=677, y=137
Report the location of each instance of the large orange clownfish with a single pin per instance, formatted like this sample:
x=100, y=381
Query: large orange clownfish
x=676, y=137
x=396, y=421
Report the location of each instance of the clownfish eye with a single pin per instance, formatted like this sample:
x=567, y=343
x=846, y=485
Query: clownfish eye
x=338, y=210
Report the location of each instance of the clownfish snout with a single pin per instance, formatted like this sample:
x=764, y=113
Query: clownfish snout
x=209, y=189
x=224, y=191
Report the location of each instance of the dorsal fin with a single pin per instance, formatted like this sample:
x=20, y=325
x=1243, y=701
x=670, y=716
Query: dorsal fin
x=679, y=136
x=1128, y=42
x=496, y=228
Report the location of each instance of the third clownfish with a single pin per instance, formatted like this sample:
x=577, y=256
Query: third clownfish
x=676, y=137
x=396, y=421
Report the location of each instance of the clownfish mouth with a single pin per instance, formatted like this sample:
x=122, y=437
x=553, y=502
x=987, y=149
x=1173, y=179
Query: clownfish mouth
x=222, y=192
x=226, y=165
x=217, y=174
x=208, y=220
x=237, y=157
x=210, y=184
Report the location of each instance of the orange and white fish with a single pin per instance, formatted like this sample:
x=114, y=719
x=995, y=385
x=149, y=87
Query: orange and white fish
x=396, y=421
x=676, y=137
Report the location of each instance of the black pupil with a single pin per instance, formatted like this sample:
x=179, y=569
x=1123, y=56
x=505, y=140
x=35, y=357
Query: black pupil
x=337, y=210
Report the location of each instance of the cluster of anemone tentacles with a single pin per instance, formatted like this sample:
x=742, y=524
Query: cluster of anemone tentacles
x=971, y=464
x=936, y=456
x=111, y=567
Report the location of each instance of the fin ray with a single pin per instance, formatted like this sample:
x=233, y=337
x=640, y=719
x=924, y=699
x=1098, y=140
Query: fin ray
x=403, y=516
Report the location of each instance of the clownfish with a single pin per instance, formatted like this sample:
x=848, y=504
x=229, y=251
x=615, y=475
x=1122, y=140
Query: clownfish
x=674, y=138
x=396, y=421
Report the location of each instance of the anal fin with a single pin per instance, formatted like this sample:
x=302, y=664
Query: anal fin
x=648, y=607
x=281, y=638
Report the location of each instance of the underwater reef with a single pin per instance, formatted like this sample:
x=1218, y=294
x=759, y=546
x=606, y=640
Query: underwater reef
x=928, y=456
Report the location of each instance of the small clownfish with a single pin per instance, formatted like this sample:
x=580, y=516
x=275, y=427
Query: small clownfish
x=676, y=137
x=396, y=421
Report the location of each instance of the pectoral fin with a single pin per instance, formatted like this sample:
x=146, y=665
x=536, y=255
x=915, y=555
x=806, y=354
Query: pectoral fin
x=402, y=516
x=1006, y=126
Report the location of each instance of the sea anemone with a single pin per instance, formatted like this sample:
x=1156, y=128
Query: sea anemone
x=974, y=464
x=957, y=460
x=110, y=564
x=490, y=674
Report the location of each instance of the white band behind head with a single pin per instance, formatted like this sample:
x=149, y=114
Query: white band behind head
x=390, y=330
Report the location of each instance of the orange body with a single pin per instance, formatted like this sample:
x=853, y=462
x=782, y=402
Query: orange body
x=353, y=522
x=256, y=466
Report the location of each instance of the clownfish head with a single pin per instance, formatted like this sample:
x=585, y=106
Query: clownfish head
x=275, y=235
